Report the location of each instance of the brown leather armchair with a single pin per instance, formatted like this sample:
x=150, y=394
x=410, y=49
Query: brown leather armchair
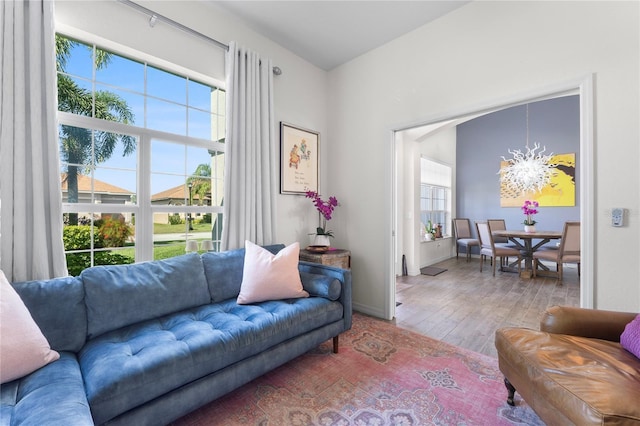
x=573, y=371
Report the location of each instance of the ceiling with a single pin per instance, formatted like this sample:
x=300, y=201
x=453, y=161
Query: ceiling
x=329, y=33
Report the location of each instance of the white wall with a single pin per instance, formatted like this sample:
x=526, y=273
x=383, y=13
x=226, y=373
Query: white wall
x=438, y=146
x=301, y=95
x=408, y=158
x=475, y=56
x=435, y=143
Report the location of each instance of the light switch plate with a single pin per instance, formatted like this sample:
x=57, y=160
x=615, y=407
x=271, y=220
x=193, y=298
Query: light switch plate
x=617, y=217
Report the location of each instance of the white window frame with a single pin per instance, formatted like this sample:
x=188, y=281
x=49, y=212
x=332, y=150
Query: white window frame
x=143, y=209
x=434, y=184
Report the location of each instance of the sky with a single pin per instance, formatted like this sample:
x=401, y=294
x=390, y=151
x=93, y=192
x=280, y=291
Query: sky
x=175, y=105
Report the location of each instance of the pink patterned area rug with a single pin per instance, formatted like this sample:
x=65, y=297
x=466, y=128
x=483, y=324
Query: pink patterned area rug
x=383, y=375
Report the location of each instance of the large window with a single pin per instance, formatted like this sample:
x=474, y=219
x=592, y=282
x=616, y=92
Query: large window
x=142, y=156
x=435, y=194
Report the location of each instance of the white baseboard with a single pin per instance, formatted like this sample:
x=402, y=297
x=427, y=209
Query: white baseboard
x=369, y=310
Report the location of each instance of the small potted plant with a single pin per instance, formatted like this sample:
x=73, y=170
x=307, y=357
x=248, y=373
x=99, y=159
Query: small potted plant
x=529, y=209
x=431, y=230
x=325, y=208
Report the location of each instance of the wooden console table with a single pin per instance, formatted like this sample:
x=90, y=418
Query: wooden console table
x=332, y=257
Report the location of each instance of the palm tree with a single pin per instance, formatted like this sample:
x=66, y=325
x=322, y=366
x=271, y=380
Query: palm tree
x=200, y=182
x=76, y=147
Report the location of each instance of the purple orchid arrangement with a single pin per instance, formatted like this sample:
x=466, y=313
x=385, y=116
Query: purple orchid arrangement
x=325, y=208
x=529, y=209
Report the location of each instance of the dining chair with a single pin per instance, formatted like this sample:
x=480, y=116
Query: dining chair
x=567, y=252
x=462, y=228
x=490, y=249
x=500, y=225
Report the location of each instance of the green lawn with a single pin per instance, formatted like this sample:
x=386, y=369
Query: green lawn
x=167, y=249
x=161, y=250
x=161, y=228
x=171, y=249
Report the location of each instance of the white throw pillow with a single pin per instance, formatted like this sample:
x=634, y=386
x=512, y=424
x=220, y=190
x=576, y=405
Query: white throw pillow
x=23, y=347
x=270, y=277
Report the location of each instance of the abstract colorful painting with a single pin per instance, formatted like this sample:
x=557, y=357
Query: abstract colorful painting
x=560, y=192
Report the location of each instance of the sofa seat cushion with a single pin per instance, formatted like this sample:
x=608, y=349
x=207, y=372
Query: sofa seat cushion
x=53, y=395
x=591, y=381
x=128, y=367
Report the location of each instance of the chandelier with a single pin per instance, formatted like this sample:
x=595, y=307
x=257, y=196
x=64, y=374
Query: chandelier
x=527, y=171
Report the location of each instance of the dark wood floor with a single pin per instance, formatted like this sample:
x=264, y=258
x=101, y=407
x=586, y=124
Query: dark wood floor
x=465, y=307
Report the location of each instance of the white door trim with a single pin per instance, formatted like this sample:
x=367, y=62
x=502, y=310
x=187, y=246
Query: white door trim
x=582, y=86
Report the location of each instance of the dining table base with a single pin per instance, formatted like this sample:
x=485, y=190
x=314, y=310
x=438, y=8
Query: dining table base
x=527, y=273
x=524, y=242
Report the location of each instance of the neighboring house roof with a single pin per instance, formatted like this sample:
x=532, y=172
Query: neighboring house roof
x=175, y=193
x=84, y=185
x=178, y=193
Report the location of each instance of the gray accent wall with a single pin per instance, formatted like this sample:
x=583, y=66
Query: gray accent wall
x=481, y=143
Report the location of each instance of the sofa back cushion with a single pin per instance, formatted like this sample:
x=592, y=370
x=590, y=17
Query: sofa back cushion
x=23, y=347
x=224, y=271
x=57, y=306
x=122, y=295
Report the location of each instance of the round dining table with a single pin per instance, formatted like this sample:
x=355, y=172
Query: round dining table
x=524, y=241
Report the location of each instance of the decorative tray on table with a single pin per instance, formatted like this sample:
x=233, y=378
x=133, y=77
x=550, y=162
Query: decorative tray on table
x=317, y=249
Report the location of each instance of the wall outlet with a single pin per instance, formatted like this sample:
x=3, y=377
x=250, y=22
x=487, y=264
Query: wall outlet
x=617, y=217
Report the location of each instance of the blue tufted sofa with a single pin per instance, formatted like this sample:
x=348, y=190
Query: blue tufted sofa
x=144, y=344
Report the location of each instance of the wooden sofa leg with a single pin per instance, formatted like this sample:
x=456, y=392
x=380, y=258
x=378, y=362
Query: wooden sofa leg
x=511, y=392
x=335, y=344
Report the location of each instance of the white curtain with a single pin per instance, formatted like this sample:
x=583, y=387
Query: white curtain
x=250, y=151
x=30, y=197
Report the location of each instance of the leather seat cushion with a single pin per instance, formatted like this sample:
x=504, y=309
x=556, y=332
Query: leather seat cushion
x=591, y=381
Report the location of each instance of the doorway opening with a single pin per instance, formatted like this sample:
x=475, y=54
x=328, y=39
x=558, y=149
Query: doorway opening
x=583, y=89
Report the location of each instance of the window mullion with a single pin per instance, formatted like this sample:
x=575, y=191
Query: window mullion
x=144, y=224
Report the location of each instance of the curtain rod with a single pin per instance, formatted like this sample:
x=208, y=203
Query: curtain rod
x=154, y=17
